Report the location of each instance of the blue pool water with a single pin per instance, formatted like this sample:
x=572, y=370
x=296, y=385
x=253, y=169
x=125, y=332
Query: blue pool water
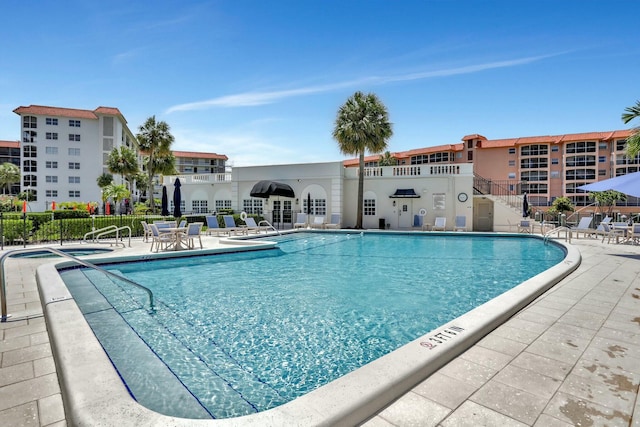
x=240, y=333
x=70, y=251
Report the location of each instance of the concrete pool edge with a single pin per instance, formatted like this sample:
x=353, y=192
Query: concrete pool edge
x=95, y=395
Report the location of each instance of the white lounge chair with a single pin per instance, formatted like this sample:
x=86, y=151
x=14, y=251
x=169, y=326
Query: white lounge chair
x=318, y=222
x=147, y=233
x=253, y=227
x=584, y=227
x=461, y=223
x=301, y=220
x=231, y=227
x=634, y=234
x=440, y=224
x=610, y=232
x=335, y=221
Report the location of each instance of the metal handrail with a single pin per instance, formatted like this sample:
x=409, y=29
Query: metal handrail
x=567, y=231
x=268, y=224
x=107, y=230
x=3, y=290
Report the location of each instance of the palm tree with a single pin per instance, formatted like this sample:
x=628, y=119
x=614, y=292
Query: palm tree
x=387, y=160
x=154, y=140
x=117, y=192
x=9, y=174
x=362, y=124
x=633, y=141
x=123, y=162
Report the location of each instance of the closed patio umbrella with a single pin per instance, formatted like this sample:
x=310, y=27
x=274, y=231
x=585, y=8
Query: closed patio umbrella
x=165, y=202
x=525, y=206
x=177, y=213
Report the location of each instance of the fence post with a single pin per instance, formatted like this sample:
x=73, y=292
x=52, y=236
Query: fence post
x=2, y=230
x=60, y=219
x=24, y=230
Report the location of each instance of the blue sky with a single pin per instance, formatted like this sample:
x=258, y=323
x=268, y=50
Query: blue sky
x=262, y=81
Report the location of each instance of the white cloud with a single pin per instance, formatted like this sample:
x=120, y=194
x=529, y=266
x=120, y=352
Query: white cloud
x=249, y=99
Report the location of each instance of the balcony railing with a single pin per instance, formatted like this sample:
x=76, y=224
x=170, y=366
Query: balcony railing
x=412, y=171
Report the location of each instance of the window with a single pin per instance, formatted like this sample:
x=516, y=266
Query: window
x=581, y=147
x=252, y=206
x=30, y=181
x=555, y=174
x=573, y=161
x=51, y=150
x=555, y=161
x=51, y=178
x=512, y=162
x=535, y=188
x=602, y=159
x=603, y=146
x=534, y=163
x=539, y=175
x=223, y=204
x=621, y=144
x=369, y=207
x=30, y=136
x=512, y=175
x=534, y=150
x=74, y=123
x=52, y=135
x=30, y=151
x=51, y=121
x=30, y=166
x=74, y=137
x=182, y=206
x=469, y=155
x=512, y=150
x=29, y=122
x=74, y=180
x=51, y=165
x=602, y=172
x=74, y=194
x=200, y=206
x=584, y=174
x=318, y=206
x=555, y=149
x=74, y=151
x=51, y=193
x=74, y=165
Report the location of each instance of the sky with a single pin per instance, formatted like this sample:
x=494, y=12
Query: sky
x=262, y=81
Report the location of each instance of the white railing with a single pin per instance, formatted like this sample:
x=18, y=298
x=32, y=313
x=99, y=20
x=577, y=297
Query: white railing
x=200, y=178
x=412, y=171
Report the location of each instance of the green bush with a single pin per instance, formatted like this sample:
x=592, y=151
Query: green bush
x=13, y=229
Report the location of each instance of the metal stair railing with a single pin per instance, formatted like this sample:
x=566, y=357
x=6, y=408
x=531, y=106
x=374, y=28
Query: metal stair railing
x=3, y=289
x=105, y=231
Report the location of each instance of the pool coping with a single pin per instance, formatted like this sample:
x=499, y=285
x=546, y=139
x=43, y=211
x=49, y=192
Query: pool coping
x=95, y=395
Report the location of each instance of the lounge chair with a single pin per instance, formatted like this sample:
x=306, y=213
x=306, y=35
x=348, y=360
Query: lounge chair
x=440, y=224
x=160, y=240
x=335, y=221
x=253, y=227
x=193, y=232
x=231, y=227
x=584, y=227
x=610, y=232
x=213, y=226
x=301, y=220
x=461, y=223
x=525, y=226
x=318, y=222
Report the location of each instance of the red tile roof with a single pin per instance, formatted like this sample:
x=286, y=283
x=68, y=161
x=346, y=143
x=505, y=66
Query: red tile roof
x=42, y=110
x=10, y=144
x=197, y=155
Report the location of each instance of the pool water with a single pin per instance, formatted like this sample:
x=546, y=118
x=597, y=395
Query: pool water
x=71, y=251
x=239, y=333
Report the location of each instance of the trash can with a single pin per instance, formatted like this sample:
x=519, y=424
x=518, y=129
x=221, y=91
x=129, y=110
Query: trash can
x=382, y=224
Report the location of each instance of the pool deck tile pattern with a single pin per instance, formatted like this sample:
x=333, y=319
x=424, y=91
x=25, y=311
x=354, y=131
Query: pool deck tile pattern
x=570, y=358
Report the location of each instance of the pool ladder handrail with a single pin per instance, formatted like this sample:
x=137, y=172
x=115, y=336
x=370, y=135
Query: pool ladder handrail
x=3, y=290
x=268, y=224
x=559, y=229
x=105, y=231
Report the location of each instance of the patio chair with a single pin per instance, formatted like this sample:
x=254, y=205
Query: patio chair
x=525, y=226
x=461, y=223
x=213, y=226
x=301, y=220
x=147, y=233
x=231, y=227
x=253, y=227
x=183, y=223
x=335, y=221
x=193, y=232
x=318, y=222
x=584, y=227
x=610, y=232
x=160, y=240
x=440, y=224
x=634, y=233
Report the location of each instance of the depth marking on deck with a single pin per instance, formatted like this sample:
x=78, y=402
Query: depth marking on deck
x=447, y=334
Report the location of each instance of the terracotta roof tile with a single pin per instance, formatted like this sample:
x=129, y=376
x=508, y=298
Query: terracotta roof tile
x=108, y=110
x=10, y=144
x=193, y=154
x=41, y=110
x=474, y=136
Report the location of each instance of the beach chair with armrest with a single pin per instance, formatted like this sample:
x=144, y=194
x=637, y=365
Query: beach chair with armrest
x=318, y=222
x=252, y=227
x=334, y=222
x=147, y=233
x=525, y=226
x=231, y=227
x=193, y=232
x=440, y=224
x=461, y=223
x=301, y=220
x=584, y=227
x=213, y=226
x=160, y=240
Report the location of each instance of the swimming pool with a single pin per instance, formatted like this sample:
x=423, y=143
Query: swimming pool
x=355, y=322
x=70, y=251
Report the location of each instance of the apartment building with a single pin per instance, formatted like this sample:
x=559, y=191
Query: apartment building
x=10, y=153
x=199, y=163
x=65, y=150
x=545, y=167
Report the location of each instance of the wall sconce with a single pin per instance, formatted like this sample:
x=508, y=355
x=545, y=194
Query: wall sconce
x=297, y=202
x=394, y=203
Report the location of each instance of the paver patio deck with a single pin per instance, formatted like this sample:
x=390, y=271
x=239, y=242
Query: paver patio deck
x=570, y=358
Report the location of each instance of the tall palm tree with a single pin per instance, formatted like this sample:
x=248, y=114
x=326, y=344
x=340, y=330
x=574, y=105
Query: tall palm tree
x=117, y=192
x=154, y=140
x=9, y=174
x=387, y=160
x=123, y=162
x=633, y=141
x=362, y=124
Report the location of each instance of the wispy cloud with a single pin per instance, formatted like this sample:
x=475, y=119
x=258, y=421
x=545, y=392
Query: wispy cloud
x=250, y=99
x=125, y=56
